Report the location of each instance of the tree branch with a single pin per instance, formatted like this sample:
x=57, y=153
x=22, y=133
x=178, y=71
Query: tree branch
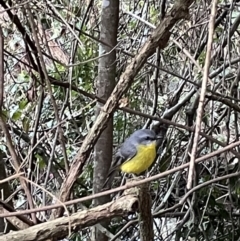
x=59, y=228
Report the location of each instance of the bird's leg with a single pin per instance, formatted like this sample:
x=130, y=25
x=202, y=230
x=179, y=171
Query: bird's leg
x=123, y=179
x=122, y=183
x=136, y=178
x=133, y=190
x=147, y=173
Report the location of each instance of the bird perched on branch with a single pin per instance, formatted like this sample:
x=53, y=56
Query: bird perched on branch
x=136, y=154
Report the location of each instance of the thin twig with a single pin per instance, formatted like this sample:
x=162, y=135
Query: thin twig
x=202, y=95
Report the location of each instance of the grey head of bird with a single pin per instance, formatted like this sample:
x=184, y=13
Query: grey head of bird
x=143, y=136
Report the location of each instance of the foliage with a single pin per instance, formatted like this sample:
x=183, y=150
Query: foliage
x=40, y=138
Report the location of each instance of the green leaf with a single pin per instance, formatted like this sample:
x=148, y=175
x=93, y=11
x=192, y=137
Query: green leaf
x=26, y=124
x=22, y=104
x=16, y=115
x=40, y=161
x=5, y=114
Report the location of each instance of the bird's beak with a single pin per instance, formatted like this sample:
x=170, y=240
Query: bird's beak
x=158, y=137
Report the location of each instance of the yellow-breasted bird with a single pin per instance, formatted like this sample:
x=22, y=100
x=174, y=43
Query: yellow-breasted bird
x=136, y=154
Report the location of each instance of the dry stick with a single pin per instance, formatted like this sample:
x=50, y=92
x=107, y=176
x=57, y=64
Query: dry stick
x=202, y=95
x=92, y=59
x=50, y=194
x=15, y=6
x=174, y=41
x=17, y=175
x=3, y=125
x=129, y=185
x=194, y=189
x=52, y=7
x=159, y=38
x=58, y=228
x=59, y=129
x=1, y=69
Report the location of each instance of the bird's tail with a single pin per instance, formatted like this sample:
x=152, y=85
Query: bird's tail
x=109, y=179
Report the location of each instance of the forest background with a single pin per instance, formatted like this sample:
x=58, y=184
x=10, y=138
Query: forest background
x=78, y=77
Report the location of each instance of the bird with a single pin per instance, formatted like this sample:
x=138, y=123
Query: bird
x=135, y=155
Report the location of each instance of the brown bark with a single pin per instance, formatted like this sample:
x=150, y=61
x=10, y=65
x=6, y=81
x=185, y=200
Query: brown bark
x=59, y=228
x=104, y=86
x=145, y=213
x=5, y=193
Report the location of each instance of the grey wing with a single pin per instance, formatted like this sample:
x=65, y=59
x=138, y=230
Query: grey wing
x=127, y=151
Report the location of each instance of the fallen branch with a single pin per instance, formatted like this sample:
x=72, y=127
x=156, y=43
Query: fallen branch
x=59, y=228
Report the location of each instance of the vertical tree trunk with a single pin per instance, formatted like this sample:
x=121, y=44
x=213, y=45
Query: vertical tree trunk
x=104, y=86
x=145, y=214
x=5, y=192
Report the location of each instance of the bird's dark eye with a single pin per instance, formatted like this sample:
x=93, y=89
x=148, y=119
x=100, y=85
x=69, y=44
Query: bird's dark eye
x=148, y=138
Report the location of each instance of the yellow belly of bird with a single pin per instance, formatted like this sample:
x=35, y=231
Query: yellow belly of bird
x=144, y=158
